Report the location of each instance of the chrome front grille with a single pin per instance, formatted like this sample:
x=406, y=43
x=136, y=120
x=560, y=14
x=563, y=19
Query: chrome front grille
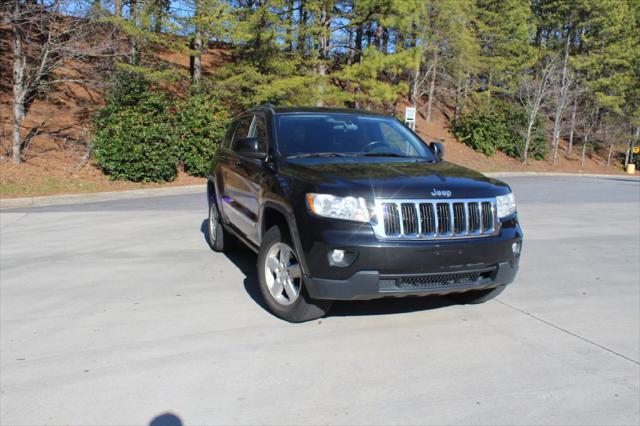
x=435, y=219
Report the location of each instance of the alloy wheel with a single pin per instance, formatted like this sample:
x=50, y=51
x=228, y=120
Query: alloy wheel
x=282, y=273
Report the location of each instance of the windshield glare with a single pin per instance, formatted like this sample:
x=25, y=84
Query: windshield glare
x=350, y=134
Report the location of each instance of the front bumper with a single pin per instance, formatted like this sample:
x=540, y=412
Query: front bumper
x=403, y=268
x=366, y=285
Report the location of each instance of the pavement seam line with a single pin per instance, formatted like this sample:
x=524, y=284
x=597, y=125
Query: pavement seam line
x=584, y=339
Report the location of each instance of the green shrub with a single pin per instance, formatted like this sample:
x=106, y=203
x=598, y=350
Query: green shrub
x=128, y=89
x=201, y=122
x=498, y=125
x=143, y=134
x=135, y=138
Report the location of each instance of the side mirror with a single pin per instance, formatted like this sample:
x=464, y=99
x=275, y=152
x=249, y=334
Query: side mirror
x=438, y=149
x=249, y=147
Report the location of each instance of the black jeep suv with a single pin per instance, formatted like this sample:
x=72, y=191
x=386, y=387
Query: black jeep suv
x=345, y=204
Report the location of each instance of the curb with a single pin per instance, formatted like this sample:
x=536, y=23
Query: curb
x=53, y=200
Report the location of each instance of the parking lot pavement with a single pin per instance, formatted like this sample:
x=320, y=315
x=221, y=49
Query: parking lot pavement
x=117, y=312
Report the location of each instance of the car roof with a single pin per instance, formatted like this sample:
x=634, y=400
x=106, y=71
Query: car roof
x=307, y=109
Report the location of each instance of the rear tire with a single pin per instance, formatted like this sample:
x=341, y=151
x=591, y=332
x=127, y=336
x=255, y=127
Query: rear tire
x=219, y=239
x=475, y=297
x=281, y=280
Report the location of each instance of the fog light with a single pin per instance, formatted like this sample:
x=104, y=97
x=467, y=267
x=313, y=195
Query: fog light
x=337, y=256
x=341, y=258
x=516, y=247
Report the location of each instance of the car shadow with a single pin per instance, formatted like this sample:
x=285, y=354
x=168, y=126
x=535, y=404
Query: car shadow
x=245, y=260
x=166, y=419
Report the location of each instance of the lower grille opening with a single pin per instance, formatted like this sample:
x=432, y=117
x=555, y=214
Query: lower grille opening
x=444, y=280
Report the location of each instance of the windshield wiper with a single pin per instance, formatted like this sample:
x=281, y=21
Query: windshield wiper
x=320, y=154
x=382, y=154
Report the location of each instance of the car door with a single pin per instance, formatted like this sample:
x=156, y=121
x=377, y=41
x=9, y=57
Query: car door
x=242, y=178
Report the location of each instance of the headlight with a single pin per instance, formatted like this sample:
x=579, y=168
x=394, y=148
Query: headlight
x=506, y=205
x=348, y=208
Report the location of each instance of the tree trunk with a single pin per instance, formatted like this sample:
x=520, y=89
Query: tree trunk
x=117, y=8
x=196, y=57
x=19, y=89
x=416, y=78
x=467, y=82
x=195, y=60
x=301, y=27
x=133, y=42
x=527, y=139
x=573, y=125
x=290, y=26
x=358, y=43
x=432, y=85
x=385, y=40
x=555, y=138
x=323, y=45
x=610, y=143
x=378, y=36
x=370, y=34
x=584, y=149
x=458, y=105
x=157, y=18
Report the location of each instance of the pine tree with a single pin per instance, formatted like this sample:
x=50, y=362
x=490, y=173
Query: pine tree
x=505, y=28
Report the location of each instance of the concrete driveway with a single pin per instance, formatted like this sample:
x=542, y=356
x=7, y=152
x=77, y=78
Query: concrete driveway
x=118, y=313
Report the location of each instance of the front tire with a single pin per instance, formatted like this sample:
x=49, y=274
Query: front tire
x=219, y=239
x=281, y=281
x=475, y=297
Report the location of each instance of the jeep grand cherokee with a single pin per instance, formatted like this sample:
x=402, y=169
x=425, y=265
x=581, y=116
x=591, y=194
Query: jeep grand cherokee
x=344, y=204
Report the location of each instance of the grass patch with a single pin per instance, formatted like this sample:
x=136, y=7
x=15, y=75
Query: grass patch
x=47, y=186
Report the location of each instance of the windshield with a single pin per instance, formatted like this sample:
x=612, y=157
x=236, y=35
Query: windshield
x=335, y=134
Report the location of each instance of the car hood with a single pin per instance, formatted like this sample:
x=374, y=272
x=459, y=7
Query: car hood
x=391, y=178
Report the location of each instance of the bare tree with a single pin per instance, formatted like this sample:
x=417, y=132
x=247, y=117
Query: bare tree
x=196, y=45
x=572, y=124
x=561, y=97
x=432, y=83
x=532, y=95
x=590, y=121
x=561, y=92
x=20, y=89
x=44, y=41
x=117, y=8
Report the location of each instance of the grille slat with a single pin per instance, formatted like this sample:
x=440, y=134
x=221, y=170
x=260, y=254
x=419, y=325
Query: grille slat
x=459, y=218
x=444, y=223
x=428, y=225
x=487, y=216
x=474, y=218
x=391, y=219
x=409, y=219
x=436, y=219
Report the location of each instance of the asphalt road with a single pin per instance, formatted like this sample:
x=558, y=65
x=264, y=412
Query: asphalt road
x=117, y=313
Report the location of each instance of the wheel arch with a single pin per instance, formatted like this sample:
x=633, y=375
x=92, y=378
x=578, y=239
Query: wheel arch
x=275, y=214
x=211, y=189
